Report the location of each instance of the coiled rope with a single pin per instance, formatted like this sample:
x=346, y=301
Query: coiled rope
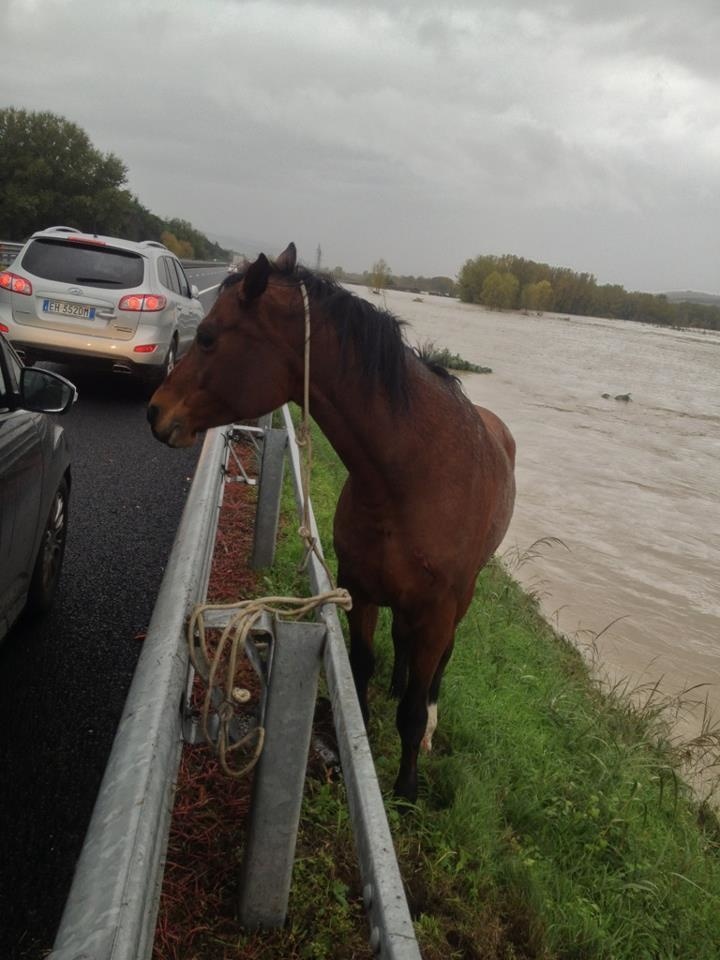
x=218, y=667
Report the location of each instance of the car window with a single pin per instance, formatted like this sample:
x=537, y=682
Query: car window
x=89, y=264
x=162, y=273
x=182, y=279
x=172, y=282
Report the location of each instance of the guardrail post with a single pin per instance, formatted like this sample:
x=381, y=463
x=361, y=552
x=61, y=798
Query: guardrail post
x=280, y=774
x=268, y=504
x=392, y=935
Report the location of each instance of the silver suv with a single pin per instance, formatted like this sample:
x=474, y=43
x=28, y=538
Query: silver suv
x=98, y=302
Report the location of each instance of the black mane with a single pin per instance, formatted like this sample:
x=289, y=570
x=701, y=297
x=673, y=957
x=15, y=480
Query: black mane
x=373, y=335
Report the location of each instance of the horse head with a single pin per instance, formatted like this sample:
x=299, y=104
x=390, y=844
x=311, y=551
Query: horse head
x=245, y=361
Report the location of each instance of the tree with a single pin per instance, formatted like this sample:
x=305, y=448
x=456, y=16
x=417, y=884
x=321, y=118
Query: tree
x=473, y=275
x=53, y=175
x=494, y=281
x=537, y=296
x=181, y=248
x=380, y=275
x=500, y=290
x=443, y=285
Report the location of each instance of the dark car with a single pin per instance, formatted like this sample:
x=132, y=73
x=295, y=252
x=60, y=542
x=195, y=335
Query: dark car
x=34, y=485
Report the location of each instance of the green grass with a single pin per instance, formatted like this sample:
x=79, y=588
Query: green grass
x=431, y=353
x=552, y=821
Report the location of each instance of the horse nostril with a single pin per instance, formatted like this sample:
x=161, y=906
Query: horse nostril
x=152, y=414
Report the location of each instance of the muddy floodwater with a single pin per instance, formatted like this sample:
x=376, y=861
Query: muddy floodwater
x=631, y=488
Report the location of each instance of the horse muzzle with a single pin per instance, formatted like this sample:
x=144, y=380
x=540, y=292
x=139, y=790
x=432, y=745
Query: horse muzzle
x=171, y=432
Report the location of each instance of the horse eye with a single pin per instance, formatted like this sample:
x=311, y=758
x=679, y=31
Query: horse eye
x=205, y=339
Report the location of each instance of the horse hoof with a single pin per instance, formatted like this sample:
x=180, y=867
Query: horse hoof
x=405, y=791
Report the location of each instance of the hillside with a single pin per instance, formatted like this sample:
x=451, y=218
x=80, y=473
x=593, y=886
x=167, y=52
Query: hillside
x=693, y=296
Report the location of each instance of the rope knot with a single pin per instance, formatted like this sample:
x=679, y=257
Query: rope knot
x=218, y=667
x=342, y=598
x=225, y=712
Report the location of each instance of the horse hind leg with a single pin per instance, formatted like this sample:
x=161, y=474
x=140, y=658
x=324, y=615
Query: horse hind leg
x=428, y=656
x=401, y=643
x=434, y=691
x=433, y=695
x=362, y=619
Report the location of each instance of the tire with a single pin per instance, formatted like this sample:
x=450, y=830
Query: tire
x=169, y=364
x=46, y=572
x=152, y=381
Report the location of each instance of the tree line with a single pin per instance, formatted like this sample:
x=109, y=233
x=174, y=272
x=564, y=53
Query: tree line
x=51, y=174
x=509, y=283
x=381, y=277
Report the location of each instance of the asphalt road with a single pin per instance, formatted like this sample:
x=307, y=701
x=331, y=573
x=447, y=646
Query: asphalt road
x=63, y=681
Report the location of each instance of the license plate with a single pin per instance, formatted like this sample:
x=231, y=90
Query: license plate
x=66, y=309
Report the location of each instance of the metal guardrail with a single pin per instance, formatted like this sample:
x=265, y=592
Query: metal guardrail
x=112, y=907
x=391, y=930
x=210, y=264
x=8, y=252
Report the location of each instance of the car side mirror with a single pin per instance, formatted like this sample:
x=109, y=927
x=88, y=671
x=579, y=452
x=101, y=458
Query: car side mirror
x=194, y=292
x=42, y=391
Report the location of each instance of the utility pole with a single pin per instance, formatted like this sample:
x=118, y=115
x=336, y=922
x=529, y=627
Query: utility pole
x=318, y=257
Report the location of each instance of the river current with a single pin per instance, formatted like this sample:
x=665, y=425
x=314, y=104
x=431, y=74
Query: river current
x=625, y=494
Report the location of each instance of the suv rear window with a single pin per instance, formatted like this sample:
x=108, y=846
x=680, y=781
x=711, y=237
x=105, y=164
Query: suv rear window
x=90, y=265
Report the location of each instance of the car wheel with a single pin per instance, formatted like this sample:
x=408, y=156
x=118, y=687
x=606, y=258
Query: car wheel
x=46, y=572
x=170, y=358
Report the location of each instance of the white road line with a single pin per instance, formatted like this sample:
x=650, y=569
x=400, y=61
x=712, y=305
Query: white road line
x=213, y=287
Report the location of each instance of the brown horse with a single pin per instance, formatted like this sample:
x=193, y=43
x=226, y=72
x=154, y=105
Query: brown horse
x=430, y=485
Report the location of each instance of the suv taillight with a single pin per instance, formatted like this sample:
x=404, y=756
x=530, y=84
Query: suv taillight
x=14, y=283
x=145, y=302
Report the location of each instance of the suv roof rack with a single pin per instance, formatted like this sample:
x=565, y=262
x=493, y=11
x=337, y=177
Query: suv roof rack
x=152, y=243
x=62, y=230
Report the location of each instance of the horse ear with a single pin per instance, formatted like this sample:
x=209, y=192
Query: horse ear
x=256, y=278
x=287, y=259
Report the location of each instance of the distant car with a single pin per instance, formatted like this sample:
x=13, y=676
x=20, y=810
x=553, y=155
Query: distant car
x=34, y=485
x=99, y=302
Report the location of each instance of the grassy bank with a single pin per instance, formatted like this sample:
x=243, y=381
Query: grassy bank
x=551, y=823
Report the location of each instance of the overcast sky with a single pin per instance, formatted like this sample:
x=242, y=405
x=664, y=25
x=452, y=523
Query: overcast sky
x=583, y=134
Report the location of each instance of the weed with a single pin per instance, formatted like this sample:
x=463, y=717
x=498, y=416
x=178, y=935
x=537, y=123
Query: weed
x=431, y=354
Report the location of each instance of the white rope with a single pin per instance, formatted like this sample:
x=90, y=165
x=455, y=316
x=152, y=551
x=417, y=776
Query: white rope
x=304, y=442
x=216, y=668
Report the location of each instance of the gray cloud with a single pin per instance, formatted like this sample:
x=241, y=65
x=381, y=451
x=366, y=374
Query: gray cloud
x=581, y=134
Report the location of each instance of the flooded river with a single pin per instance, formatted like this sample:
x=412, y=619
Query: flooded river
x=630, y=488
